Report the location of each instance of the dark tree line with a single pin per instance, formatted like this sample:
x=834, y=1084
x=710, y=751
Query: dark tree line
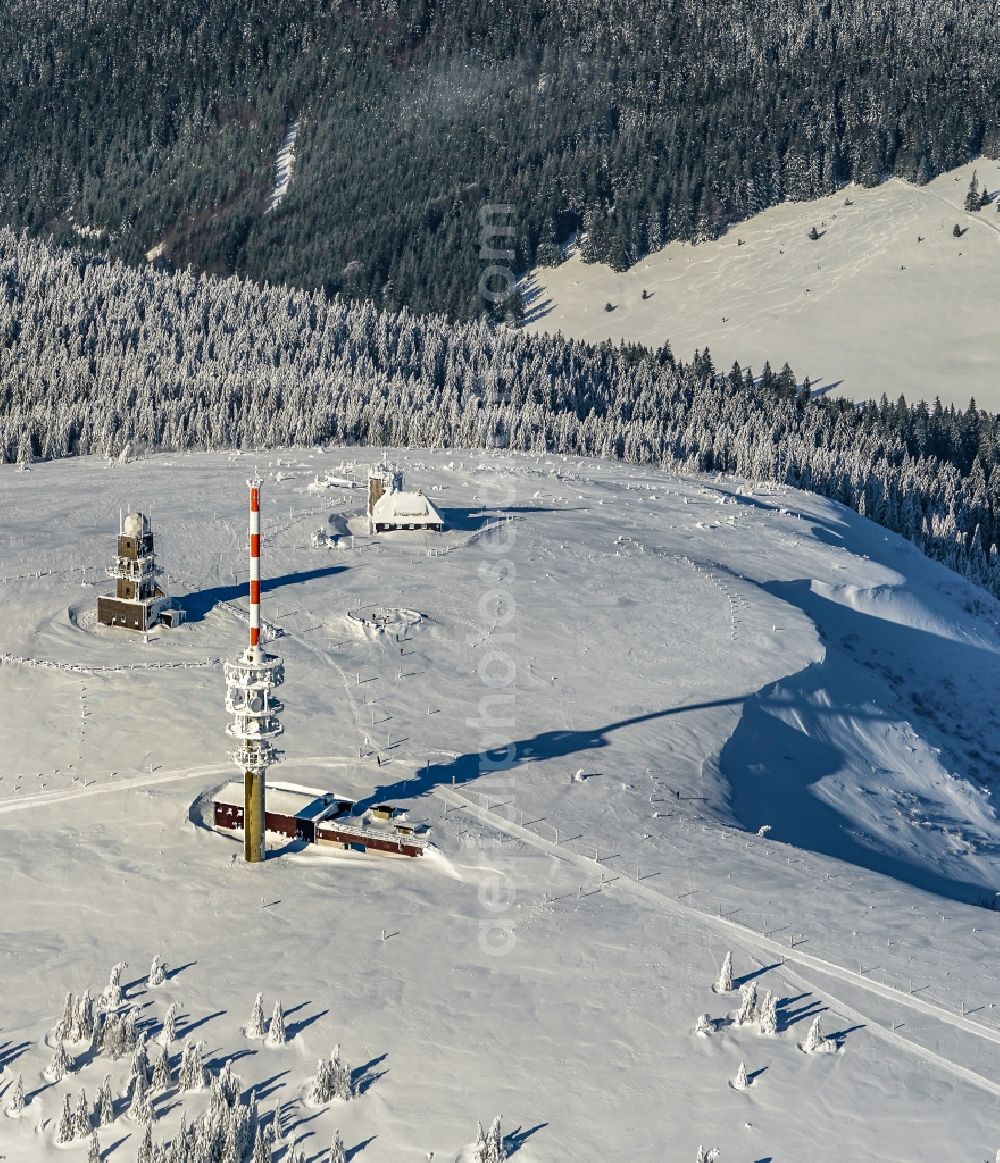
x=96, y=356
x=637, y=121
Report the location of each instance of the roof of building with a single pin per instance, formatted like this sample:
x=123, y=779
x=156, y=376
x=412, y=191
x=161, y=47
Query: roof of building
x=403, y=508
x=306, y=803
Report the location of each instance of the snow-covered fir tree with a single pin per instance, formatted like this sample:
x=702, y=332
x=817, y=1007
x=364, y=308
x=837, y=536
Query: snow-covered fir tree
x=707, y=1156
x=276, y=1033
x=140, y=1060
x=704, y=1025
x=767, y=1021
x=111, y=998
x=82, y=1123
x=59, y=1064
x=68, y=1018
x=169, y=1030
x=496, y=1152
x=140, y=1109
x=747, y=1014
x=481, y=1147
x=111, y=1036
x=163, y=1075
x=130, y=1029
x=255, y=1027
x=740, y=1082
x=157, y=976
x=724, y=984
x=816, y=1041
x=337, y=1152
x=82, y=1029
x=191, y=1075
x=64, y=1126
x=15, y=1100
x=262, y=1147
x=105, y=1103
x=93, y=1148
x=145, y=1152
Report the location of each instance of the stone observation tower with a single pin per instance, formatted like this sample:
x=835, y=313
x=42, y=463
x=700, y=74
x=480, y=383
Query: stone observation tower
x=251, y=678
x=139, y=602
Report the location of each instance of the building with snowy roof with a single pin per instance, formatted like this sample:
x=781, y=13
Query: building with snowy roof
x=314, y=816
x=404, y=510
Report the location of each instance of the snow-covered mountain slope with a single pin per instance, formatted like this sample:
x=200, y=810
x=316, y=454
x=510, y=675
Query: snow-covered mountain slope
x=886, y=300
x=712, y=660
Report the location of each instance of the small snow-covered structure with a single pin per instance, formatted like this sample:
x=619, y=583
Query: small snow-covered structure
x=404, y=510
x=139, y=601
x=391, y=507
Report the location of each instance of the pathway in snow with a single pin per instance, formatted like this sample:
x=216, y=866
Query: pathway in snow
x=284, y=166
x=747, y=936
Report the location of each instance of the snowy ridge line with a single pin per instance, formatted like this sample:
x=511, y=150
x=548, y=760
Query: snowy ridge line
x=86, y=668
x=736, y=929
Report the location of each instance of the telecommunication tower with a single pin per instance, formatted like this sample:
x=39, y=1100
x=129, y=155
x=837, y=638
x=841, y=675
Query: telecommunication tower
x=251, y=679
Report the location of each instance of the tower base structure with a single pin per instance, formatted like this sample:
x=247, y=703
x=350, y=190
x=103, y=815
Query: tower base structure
x=253, y=817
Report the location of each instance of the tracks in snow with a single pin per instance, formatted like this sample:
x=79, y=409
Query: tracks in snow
x=789, y=957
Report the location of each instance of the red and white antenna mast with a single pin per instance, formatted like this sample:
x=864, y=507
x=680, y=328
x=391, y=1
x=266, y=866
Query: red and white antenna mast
x=250, y=681
x=254, y=561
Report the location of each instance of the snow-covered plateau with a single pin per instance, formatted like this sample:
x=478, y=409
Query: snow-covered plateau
x=885, y=299
x=649, y=720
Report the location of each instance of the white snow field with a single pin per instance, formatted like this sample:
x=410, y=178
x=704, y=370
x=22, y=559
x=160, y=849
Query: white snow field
x=886, y=300
x=679, y=662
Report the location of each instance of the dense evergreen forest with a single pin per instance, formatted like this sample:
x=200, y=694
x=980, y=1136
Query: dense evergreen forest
x=134, y=124
x=96, y=356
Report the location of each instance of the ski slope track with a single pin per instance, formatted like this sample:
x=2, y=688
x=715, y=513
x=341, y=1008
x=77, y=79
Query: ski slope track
x=886, y=299
x=647, y=719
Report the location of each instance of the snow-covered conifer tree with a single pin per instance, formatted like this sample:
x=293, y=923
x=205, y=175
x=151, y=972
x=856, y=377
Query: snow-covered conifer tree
x=15, y=1102
x=767, y=1021
x=130, y=1029
x=748, y=1005
x=169, y=1031
x=192, y=1071
x=64, y=1128
x=145, y=1154
x=140, y=1060
x=481, y=1147
x=156, y=974
x=105, y=1103
x=111, y=998
x=82, y=1126
x=140, y=1109
x=163, y=1077
x=321, y=1088
x=93, y=1149
x=816, y=1041
x=276, y=1034
x=704, y=1025
x=255, y=1027
x=110, y=1038
x=337, y=1152
x=725, y=982
x=496, y=1152
x=65, y=1023
x=262, y=1147
x=741, y=1082
x=341, y=1078
x=708, y=1156
x=83, y=1019
x=56, y=1069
